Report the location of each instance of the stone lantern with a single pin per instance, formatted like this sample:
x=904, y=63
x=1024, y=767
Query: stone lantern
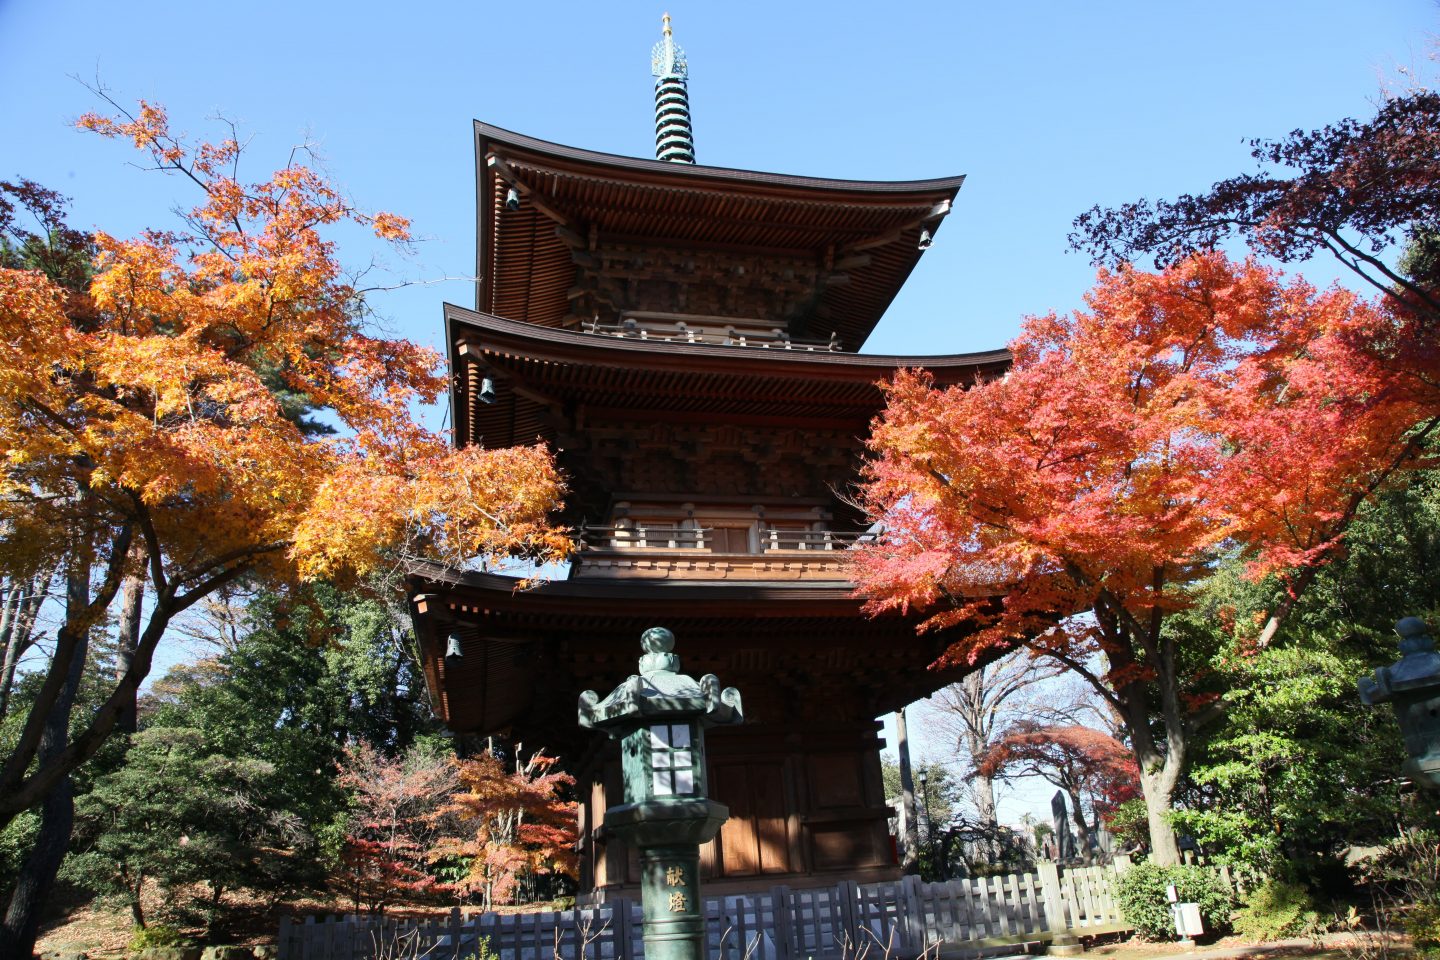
x=660, y=717
x=1412, y=686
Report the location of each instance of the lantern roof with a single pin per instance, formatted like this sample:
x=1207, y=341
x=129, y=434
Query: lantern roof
x=660, y=691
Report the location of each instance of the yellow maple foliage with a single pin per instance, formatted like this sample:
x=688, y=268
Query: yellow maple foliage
x=161, y=419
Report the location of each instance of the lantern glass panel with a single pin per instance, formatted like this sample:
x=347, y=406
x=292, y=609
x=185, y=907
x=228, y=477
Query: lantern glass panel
x=672, y=762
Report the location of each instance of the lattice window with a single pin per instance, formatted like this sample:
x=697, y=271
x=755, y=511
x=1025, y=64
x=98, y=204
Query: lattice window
x=672, y=760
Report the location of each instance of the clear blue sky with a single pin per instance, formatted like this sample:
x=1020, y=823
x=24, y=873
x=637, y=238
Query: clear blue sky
x=1049, y=107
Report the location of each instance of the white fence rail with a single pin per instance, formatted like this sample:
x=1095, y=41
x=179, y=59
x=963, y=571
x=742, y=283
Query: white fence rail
x=906, y=917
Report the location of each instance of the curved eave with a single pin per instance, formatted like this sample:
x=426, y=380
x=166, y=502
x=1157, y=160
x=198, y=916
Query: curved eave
x=533, y=365
x=487, y=135
x=503, y=675
x=525, y=268
x=468, y=588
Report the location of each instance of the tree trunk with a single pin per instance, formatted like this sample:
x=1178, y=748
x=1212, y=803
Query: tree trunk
x=132, y=596
x=1082, y=829
x=909, y=821
x=984, y=790
x=1164, y=844
x=18, y=634
x=37, y=875
x=9, y=643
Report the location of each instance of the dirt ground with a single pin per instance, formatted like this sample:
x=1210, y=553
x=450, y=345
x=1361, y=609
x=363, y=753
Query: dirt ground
x=102, y=931
x=1234, y=948
x=105, y=932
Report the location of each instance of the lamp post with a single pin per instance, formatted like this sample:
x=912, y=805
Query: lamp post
x=659, y=717
x=1411, y=686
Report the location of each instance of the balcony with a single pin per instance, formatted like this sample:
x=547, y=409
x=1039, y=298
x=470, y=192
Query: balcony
x=726, y=336
x=690, y=553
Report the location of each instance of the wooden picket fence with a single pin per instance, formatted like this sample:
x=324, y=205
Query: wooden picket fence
x=906, y=917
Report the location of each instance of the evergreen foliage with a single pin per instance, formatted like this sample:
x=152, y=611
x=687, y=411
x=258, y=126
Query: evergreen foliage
x=178, y=813
x=1292, y=769
x=1145, y=905
x=234, y=778
x=1276, y=910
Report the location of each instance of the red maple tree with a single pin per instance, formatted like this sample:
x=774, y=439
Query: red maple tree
x=396, y=819
x=1069, y=507
x=1083, y=762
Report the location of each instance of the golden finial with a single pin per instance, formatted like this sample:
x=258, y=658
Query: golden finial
x=666, y=21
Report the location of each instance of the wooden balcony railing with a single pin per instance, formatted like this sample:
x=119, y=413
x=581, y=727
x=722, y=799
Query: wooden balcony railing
x=648, y=537
x=645, y=537
x=775, y=339
x=773, y=539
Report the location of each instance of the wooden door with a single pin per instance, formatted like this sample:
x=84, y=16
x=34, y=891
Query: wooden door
x=754, y=840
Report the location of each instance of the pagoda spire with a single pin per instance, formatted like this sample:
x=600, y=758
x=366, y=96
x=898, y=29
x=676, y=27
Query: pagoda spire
x=674, y=139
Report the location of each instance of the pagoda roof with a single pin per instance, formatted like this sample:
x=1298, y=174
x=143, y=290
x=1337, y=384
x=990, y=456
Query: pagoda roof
x=535, y=368
x=526, y=257
x=506, y=666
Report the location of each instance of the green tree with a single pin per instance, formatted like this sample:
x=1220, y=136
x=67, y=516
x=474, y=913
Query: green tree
x=1293, y=767
x=277, y=697
x=179, y=813
x=937, y=797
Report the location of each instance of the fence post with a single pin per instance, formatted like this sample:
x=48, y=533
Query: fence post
x=847, y=893
x=1121, y=862
x=785, y=946
x=620, y=915
x=1062, y=942
x=455, y=932
x=282, y=945
x=913, y=922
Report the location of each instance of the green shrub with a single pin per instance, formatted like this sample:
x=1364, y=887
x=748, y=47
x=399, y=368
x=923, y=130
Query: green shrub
x=155, y=935
x=1422, y=922
x=1141, y=892
x=483, y=951
x=1274, y=911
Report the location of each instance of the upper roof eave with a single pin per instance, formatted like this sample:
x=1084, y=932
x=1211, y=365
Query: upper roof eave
x=487, y=134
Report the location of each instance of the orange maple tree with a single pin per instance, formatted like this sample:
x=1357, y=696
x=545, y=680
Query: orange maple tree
x=154, y=425
x=1069, y=506
x=522, y=825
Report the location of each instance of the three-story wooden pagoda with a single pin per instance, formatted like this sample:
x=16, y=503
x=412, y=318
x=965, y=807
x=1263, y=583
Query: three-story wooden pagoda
x=685, y=337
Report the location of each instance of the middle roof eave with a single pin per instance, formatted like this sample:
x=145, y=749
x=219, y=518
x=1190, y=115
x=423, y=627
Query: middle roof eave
x=532, y=367
x=491, y=333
